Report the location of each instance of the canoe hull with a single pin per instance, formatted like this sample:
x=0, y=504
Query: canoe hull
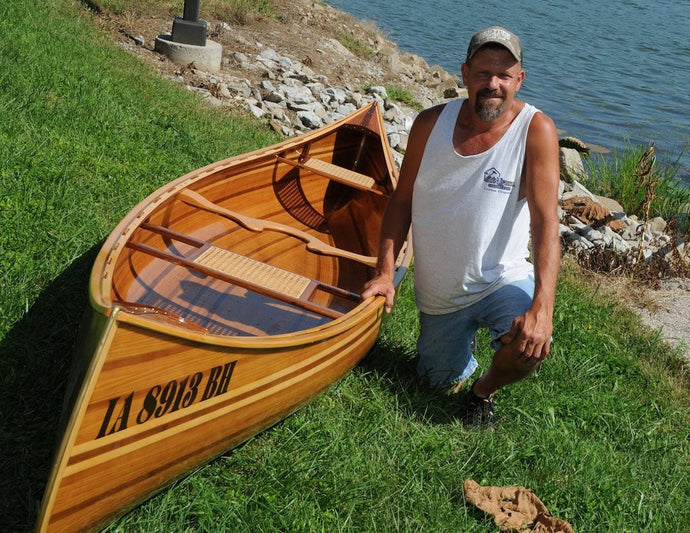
x=220, y=304
x=187, y=402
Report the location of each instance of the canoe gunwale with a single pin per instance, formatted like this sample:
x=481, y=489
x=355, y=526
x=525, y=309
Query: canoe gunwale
x=104, y=266
x=284, y=340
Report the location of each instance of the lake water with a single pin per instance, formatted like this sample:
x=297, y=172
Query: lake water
x=610, y=73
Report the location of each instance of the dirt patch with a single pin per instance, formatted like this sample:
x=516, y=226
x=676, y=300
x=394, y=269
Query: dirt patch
x=665, y=309
x=668, y=311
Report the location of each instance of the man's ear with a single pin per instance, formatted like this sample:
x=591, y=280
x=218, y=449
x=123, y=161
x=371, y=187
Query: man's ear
x=521, y=78
x=464, y=69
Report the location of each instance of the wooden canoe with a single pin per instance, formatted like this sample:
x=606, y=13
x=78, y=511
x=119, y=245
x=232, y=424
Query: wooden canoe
x=219, y=305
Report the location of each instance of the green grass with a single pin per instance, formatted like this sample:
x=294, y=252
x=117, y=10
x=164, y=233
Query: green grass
x=404, y=96
x=356, y=46
x=600, y=433
x=616, y=177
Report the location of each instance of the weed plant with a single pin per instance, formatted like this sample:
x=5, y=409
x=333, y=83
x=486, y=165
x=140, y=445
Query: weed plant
x=356, y=46
x=404, y=96
x=617, y=177
x=600, y=432
x=646, y=191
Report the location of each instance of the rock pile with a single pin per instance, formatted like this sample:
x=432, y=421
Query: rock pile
x=295, y=99
x=597, y=229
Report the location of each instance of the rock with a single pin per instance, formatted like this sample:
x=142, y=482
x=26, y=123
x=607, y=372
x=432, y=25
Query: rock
x=354, y=98
x=404, y=137
x=276, y=111
x=571, y=165
x=334, y=95
x=577, y=189
x=256, y=110
x=309, y=119
x=592, y=235
x=620, y=245
x=657, y=224
x=379, y=91
x=333, y=46
x=454, y=92
x=579, y=241
x=297, y=95
x=610, y=204
x=564, y=230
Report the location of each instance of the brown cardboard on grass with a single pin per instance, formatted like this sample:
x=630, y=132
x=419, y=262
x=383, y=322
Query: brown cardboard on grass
x=514, y=509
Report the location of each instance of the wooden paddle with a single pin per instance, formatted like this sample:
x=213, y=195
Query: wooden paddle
x=254, y=224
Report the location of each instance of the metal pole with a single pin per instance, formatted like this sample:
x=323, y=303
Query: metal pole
x=191, y=10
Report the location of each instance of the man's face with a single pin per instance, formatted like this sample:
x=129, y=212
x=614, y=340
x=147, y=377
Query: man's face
x=492, y=77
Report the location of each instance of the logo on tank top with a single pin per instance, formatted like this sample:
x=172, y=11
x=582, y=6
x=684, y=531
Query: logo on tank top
x=495, y=183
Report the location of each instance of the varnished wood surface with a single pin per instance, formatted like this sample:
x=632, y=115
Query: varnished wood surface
x=188, y=354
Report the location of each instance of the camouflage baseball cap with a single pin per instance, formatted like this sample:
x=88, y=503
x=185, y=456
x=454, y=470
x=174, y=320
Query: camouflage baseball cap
x=496, y=35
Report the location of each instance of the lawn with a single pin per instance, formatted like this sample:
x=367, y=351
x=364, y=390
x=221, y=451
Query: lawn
x=601, y=433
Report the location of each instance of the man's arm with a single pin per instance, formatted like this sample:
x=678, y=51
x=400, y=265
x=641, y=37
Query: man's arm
x=398, y=216
x=535, y=327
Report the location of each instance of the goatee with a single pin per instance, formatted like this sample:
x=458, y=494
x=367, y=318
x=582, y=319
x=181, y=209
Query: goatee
x=485, y=110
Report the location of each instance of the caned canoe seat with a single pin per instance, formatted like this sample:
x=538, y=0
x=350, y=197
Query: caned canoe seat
x=253, y=271
x=246, y=272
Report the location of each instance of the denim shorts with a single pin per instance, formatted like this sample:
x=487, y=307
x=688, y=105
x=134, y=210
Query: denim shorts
x=444, y=343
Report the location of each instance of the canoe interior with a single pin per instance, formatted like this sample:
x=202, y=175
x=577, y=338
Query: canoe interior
x=270, y=189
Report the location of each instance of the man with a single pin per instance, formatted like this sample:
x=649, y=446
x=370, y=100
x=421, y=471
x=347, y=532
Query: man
x=479, y=176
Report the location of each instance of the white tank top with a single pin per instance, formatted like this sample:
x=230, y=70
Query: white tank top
x=470, y=231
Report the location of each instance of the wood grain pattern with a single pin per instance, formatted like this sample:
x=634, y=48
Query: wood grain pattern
x=204, y=331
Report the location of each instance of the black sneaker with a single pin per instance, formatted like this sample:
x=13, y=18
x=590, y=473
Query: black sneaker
x=479, y=411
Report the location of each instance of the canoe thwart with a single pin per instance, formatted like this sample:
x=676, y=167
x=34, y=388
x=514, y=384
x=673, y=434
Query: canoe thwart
x=336, y=173
x=257, y=225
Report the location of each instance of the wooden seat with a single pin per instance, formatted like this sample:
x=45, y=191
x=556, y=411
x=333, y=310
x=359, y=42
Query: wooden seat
x=246, y=272
x=339, y=173
x=336, y=173
x=256, y=272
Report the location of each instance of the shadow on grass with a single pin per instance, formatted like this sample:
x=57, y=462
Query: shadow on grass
x=35, y=358
x=397, y=369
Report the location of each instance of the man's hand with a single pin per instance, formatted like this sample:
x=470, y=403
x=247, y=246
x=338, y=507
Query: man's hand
x=380, y=286
x=532, y=334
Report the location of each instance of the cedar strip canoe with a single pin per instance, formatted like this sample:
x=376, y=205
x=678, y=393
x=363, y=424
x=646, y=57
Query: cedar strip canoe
x=219, y=305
